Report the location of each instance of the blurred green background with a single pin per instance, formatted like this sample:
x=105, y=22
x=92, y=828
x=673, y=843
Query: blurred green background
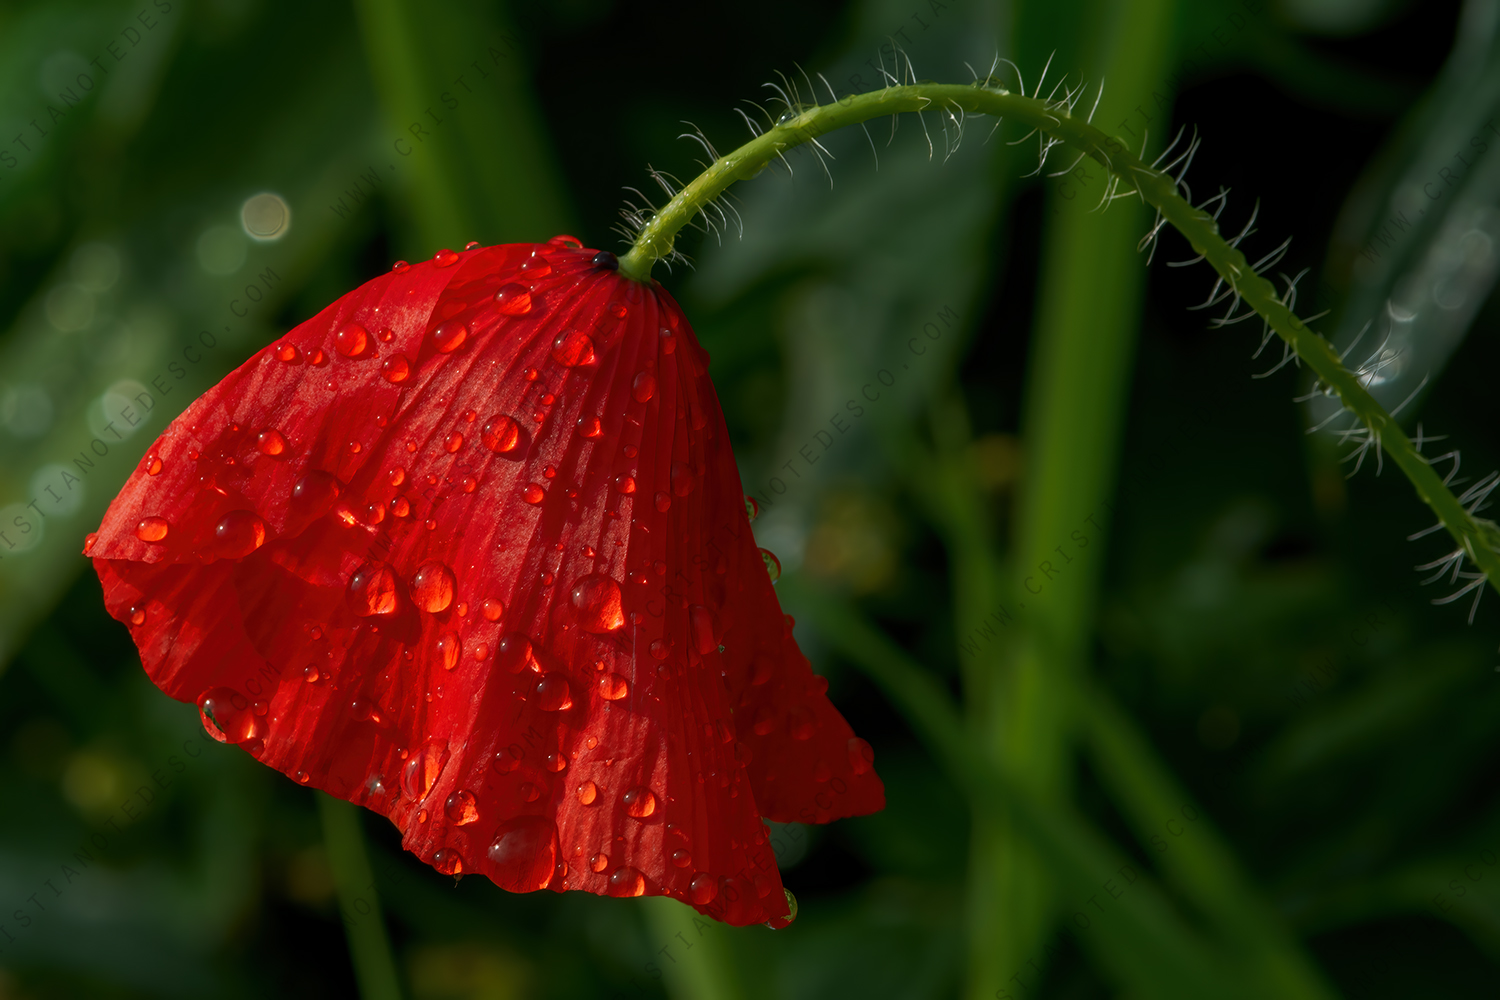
x=1236, y=750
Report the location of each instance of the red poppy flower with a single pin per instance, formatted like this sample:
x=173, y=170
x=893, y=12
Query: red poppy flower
x=469, y=548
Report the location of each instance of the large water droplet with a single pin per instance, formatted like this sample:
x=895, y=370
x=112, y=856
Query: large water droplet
x=573, y=348
x=702, y=889
x=461, y=808
x=639, y=802
x=626, y=881
x=396, y=369
x=625, y=484
x=590, y=427
x=597, y=599
x=588, y=793
x=536, y=267
x=773, y=565
x=613, y=687
x=447, y=861
x=152, y=529
x=533, y=493
x=599, y=862
x=524, y=853
x=516, y=654
x=270, y=442
x=553, y=694
x=707, y=633
x=432, y=587
x=513, y=300
x=491, y=609
x=450, y=336
x=423, y=768
x=372, y=590
x=315, y=494
x=644, y=387
x=507, y=761
x=564, y=240
x=453, y=443
x=238, y=533
x=449, y=650
x=400, y=267
x=663, y=501
x=445, y=258
x=228, y=716
x=501, y=434
x=153, y=466
x=352, y=340
x=289, y=354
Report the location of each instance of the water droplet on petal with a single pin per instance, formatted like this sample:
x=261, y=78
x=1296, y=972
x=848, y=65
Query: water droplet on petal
x=626, y=881
x=597, y=599
x=663, y=501
x=450, y=336
x=507, y=761
x=590, y=427
x=491, y=609
x=397, y=476
x=289, y=354
x=447, y=861
x=513, y=300
x=315, y=494
x=516, y=654
x=588, y=793
x=445, y=258
x=449, y=649
x=238, y=533
x=317, y=358
x=555, y=762
x=613, y=687
x=152, y=529
x=573, y=348
x=524, y=852
x=396, y=369
x=639, y=802
x=661, y=649
x=400, y=266
x=453, y=443
x=270, y=442
x=599, y=861
x=423, y=768
x=228, y=717
x=501, y=434
x=618, y=310
x=536, y=267
x=683, y=479
x=352, y=340
x=137, y=615
x=372, y=590
x=773, y=565
x=303, y=777
x=707, y=632
x=644, y=387
x=703, y=889
x=861, y=756
x=533, y=493
x=752, y=509
x=553, y=694
x=461, y=808
x=625, y=484
x=153, y=466
x=564, y=240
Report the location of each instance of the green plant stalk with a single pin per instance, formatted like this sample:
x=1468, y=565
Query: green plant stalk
x=1478, y=538
x=695, y=955
x=1196, y=861
x=369, y=946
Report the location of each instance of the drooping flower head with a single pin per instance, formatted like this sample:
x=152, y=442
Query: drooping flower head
x=469, y=548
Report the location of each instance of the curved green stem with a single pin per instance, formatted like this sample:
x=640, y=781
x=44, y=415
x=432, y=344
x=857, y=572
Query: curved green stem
x=1478, y=538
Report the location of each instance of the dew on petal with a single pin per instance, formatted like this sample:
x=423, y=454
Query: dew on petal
x=315, y=493
x=529, y=792
x=400, y=267
x=396, y=369
x=707, y=632
x=590, y=427
x=752, y=509
x=238, y=533
x=453, y=443
x=618, y=310
x=555, y=762
x=536, y=267
x=137, y=615
x=449, y=649
x=625, y=484
x=89, y=540
x=644, y=387
x=513, y=300
x=153, y=466
x=681, y=858
x=270, y=442
x=573, y=348
x=533, y=493
x=773, y=565
x=613, y=687
x=660, y=649
x=588, y=793
x=597, y=600
x=152, y=529
x=516, y=654
x=386, y=335
x=564, y=240
x=450, y=336
x=626, y=881
x=445, y=258
x=423, y=768
x=702, y=889
x=524, y=853
x=668, y=341
x=599, y=862
x=491, y=609
x=553, y=694
x=352, y=340
x=501, y=434
x=289, y=354
x=639, y=802
x=507, y=760
x=683, y=480
x=228, y=717
x=317, y=358
x=447, y=861
x=531, y=374
x=462, y=808
x=663, y=501
x=400, y=507
x=372, y=590
x=481, y=652
x=861, y=756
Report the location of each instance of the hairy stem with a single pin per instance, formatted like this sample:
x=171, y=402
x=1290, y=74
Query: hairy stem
x=1479, y=539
